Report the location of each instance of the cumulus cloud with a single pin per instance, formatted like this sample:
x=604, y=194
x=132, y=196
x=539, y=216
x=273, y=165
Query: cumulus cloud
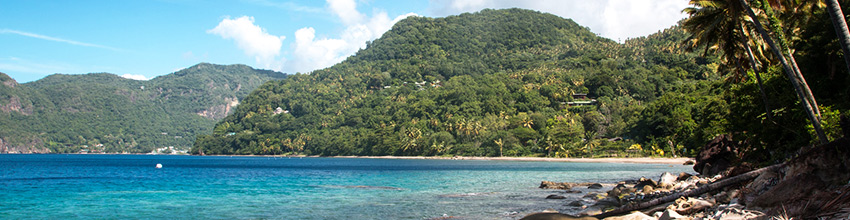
x=134, y=76
x=252, y=39
x=311, y=53
x=613, y=19
x=346, y=10
x=308, y=52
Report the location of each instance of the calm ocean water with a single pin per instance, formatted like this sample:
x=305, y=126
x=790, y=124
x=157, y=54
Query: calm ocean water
x=194, y=187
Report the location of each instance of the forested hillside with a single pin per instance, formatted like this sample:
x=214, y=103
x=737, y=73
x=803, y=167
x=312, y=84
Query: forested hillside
x=491, y=83
x=102, y=112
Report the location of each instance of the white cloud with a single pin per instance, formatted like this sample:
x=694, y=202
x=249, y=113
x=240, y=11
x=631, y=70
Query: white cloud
x=308, y=52
x=252, y=39
x=346, y=10
x=311, y=53
x=613, y=19
x=134, y=76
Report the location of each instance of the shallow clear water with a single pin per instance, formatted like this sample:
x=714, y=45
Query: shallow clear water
x=193, y=187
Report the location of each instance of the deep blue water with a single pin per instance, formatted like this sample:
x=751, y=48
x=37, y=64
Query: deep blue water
x=194, y=187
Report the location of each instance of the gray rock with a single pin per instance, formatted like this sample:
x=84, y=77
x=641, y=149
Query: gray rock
x=607, y=202
x=671, y=215
x=572, y=191
x=595, y=186
x=667, y=180
x=555, y=185
x=555, y=197
x=645, y=182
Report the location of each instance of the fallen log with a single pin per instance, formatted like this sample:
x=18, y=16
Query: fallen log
x=689, y=193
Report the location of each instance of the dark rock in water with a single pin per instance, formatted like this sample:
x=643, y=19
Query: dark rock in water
x=554, y=216
x=595, y=186
x=572, y=191
x=555, y=197
x=555, y=185
x=630, y=182
x=607, y=202
x=620, y=186
x=575, y=203
x=689, y=162
x=716, y=156
x=594, y=196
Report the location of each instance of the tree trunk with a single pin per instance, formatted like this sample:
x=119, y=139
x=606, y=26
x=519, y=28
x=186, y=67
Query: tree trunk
x=689, y=193
x=789, y=71
x=840, y=25
x=757, y=72
x=805, y=85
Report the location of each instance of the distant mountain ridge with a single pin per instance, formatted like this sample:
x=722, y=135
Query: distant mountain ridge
x=103, y=112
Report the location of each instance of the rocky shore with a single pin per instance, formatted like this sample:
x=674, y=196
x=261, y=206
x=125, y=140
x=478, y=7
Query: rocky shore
x=812, y=185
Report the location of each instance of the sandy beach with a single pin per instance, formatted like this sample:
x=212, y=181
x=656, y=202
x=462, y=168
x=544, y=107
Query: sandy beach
x=643, y=160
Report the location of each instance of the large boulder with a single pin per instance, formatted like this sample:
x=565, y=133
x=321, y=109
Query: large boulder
x=667, y=180
x=595, y=186
x=716, y=156
x=555, y=185
x=645, y=182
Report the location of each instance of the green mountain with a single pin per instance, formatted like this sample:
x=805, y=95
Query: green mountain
x=102, y=112
x=496, y=82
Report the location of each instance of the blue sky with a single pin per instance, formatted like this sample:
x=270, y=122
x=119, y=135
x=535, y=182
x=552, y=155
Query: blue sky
x=143, y=39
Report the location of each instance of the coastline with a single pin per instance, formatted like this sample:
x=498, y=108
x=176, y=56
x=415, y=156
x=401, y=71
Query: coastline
x=640, y=160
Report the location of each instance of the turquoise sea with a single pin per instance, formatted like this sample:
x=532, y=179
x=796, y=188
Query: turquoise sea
x=57, y=186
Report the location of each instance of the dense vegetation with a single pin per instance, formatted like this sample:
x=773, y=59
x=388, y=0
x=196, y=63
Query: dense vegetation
x=103, y=112
x=492, y=83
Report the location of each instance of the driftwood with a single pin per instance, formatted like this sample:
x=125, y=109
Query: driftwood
x=689, y=193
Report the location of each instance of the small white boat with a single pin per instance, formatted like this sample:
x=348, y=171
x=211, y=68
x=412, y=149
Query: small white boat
x=159, y=165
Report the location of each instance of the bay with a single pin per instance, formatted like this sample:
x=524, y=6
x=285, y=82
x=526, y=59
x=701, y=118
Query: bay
x=56, y=186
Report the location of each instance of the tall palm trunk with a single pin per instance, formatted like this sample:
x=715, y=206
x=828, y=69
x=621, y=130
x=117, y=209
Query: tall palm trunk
x=840, y=26
x=806, y=89
x=757, y=72
x=789, y=71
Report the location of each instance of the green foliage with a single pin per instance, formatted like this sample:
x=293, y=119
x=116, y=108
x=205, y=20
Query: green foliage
x=491, y=83
x=103, y=112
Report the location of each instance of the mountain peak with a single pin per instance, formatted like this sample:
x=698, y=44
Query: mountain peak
x=7, y=81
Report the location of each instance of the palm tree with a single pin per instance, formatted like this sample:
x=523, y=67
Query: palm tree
x=840, y=26
x=719, y=25
x=501, y=144
x=791, y=73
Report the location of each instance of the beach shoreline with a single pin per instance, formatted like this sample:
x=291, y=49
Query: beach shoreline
x=640, y=160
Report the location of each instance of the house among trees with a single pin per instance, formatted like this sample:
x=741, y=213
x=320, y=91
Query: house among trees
x=579, y=99
x=580, y=96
